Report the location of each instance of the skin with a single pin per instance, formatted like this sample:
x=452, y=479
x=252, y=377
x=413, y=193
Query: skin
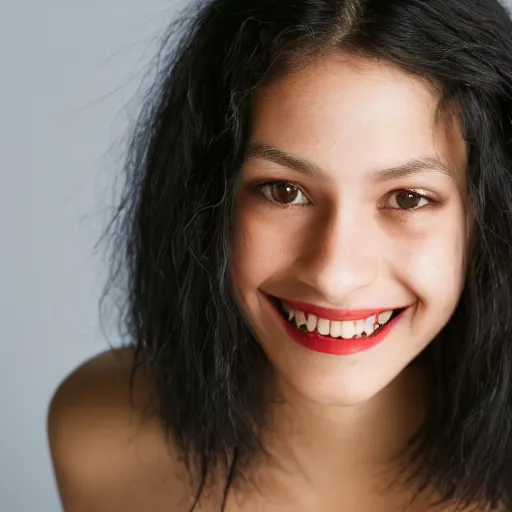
x=344, y=243
x=346, y=248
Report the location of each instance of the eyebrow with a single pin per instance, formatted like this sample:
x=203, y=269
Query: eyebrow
x=409, y=168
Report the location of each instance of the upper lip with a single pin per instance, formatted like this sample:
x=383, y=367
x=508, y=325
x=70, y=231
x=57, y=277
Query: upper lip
x=334, y=314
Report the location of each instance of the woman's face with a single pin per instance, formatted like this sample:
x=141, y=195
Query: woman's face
x=351, y=199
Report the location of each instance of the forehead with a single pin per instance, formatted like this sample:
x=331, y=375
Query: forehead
x=345, y=112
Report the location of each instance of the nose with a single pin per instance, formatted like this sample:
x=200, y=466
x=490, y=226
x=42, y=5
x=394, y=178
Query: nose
x=340, y=256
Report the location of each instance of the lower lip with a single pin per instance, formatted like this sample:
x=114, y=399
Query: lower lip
x=339, y=347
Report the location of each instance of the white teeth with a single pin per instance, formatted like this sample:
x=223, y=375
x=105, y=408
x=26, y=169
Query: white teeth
x=323, y=326
x=311, y=324
x=384, y=317
x=300, y=318
x=335, y=330
x=369, y=324
x=348, y=330
x=359, y=326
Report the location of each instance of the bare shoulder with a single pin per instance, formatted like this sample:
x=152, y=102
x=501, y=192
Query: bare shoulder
x=108, y=448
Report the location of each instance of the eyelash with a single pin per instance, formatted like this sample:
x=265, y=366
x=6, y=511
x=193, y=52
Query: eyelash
x=260, y=187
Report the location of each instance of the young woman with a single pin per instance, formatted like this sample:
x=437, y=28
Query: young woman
x=315, y=245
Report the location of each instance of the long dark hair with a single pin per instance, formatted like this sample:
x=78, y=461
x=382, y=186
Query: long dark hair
x=171, y=236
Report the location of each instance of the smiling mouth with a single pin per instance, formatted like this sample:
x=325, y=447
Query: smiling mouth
x=313, y=325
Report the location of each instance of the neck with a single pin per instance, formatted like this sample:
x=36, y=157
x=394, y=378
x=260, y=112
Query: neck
x=321, y=446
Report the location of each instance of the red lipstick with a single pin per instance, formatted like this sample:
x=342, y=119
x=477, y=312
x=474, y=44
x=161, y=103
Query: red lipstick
x=335, y=346
x=333, y=314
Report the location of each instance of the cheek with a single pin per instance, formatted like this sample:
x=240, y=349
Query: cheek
x=435, y=264
x=427, y=258
x=260, y=249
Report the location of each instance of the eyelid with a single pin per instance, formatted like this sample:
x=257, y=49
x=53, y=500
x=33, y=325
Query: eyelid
x=423, y=194
x=258, y=186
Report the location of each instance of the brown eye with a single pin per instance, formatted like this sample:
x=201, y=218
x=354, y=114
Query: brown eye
x=283, y=193
x=408, y=200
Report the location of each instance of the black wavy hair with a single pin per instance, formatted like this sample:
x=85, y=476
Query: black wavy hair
x=172, y=232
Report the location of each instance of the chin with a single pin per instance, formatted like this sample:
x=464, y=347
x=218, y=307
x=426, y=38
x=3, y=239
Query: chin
x=338, y=387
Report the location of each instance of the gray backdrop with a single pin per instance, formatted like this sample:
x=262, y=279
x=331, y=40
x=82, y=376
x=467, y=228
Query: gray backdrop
x=68, y=73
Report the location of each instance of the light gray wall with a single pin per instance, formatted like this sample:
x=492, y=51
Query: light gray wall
x=67, y=73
